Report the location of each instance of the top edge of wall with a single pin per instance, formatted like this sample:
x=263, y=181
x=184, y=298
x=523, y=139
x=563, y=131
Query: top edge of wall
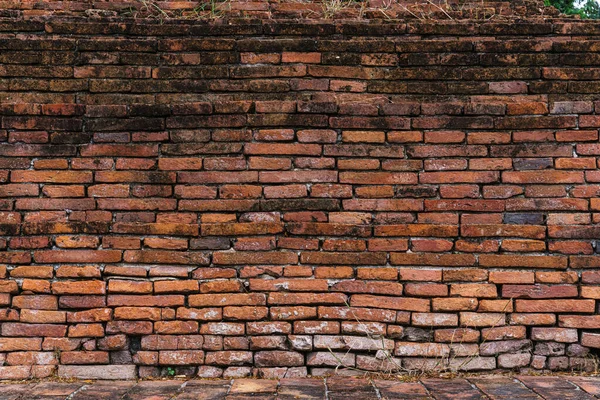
x=455, y=18
x=116, y=26
x=381, y=11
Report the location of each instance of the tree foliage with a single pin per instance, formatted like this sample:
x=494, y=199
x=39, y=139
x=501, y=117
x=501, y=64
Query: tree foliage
x=586, y=8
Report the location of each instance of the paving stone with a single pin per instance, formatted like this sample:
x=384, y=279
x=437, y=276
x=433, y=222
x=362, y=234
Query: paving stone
x=301, y=389
x=588, y=384
x=14, y=391
x=344, y=388
x=155, y=390
x=503, y=388
x=554, y=387
x=490, y=387
x=103, y=390
x=391, y=390
x=204, y=389
x=53, y=390
x=455, y=389
x=246, y=386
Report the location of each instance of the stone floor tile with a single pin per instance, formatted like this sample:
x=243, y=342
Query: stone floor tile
x=205, y=390
x=52, y=390
x=589, y=384
x=392, y=390
x=154, y=390
x=340, y=388
x=253, y=386
x=504, y=388
x=14, y=391
x=299, y=388
x=452, y=389
x=492, y=387
x=554, y=388
x=103, y=390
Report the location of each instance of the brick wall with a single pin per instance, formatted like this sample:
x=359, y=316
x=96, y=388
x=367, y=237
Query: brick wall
x=277, y=198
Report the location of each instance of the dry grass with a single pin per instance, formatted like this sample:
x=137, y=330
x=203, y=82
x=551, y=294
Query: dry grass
x=444, y=366
x=435, y=10
x=151, y=9
x=331, y=8
x=423, y=10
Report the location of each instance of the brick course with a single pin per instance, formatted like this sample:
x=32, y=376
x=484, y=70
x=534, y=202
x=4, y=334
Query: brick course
x=279, y=197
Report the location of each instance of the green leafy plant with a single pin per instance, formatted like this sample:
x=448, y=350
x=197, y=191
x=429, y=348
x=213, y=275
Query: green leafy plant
x=588, y=9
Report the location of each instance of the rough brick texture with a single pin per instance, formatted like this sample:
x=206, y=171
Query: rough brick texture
x=280, y=198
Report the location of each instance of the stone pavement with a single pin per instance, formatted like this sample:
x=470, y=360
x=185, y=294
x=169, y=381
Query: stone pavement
x=337, y=388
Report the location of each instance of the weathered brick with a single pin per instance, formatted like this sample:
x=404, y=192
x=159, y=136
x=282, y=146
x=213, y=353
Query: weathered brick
x=232, y=186
x=535, y=306
x=562, y=335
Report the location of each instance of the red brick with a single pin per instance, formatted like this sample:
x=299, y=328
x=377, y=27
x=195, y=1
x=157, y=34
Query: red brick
x=515, y=277
x=517, y=245
x=145, y=300
x=19, y=329
x=86, y=330
x=228, y=358
x=561, y=335
x=77, y=256
x=32, y=272
x=583, y=306
x=42, y=316
x=393, y=303
x=431, y=245
x=421, y=349
x=579, y=321
x=79, y=287
x=93, y=315
x=84, y=357
x=334, y=272
x=181, y=357
x=557, y=277
x=219, y=300
x=590, y=340
x=176, y=286
x=175, y=327
x=539, y=291
x=124, y=286
x=52, y=176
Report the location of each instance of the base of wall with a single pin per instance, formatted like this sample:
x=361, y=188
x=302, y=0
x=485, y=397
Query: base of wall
x=516, y=355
